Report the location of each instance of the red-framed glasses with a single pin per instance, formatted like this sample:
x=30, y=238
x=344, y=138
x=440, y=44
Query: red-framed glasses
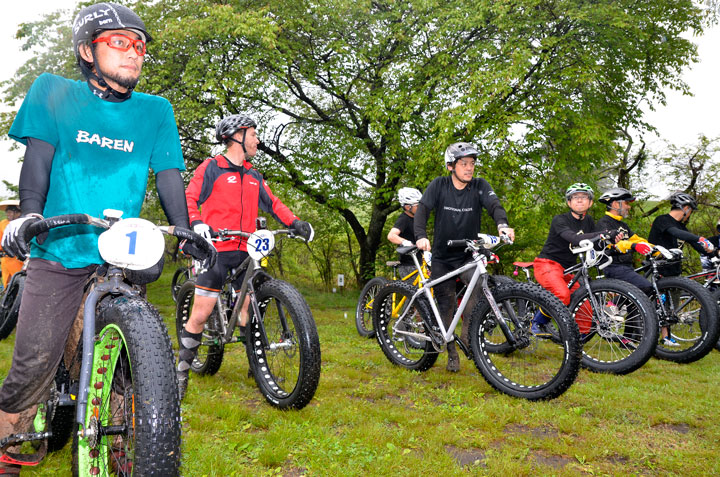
x=123, y=43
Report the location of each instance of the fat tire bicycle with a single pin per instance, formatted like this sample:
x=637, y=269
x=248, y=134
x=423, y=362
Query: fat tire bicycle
x=281, y=339
x=510, y=358
x=115, y=392
x=684, y=307
x=623, y=325
x=710, y=280
x=181, y=275
x=363, y=310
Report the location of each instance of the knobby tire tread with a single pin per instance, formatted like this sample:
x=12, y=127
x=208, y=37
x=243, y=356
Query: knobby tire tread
x=308, y=345
x=363, y=321
x=428, y=355
x=154, y=385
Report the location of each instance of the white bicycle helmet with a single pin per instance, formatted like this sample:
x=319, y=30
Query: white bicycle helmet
x=617, y=193
x=409, y=196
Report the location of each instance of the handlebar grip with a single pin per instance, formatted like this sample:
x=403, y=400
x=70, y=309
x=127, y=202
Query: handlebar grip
x=197, y=240
x=42, y=226
x=456, y=243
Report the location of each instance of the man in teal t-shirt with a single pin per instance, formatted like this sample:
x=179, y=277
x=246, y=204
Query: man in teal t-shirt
x=89, y=147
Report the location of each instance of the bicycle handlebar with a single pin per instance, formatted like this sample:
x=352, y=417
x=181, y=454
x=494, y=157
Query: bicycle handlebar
x=44, y=225
x=224, y=234
x=483, y=241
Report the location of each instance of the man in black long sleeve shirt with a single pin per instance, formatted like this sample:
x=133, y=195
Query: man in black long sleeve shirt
x=566, y=231
x=668, y=229
x=458, y=201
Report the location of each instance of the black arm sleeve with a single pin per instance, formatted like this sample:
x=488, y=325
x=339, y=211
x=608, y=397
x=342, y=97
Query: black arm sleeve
x=35, y=176
x=420, y=222
x=171, y=191
x=687, y=237
x=497, y=211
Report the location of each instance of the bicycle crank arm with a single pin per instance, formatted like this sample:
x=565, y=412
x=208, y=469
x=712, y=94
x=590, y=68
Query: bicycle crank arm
x=15, y=439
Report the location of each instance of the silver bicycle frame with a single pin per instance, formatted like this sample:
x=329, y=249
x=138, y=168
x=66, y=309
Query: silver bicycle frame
x=478, y=264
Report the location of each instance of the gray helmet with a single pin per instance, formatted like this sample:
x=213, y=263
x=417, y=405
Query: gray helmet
x=229, y=125
x=617, y=193
x=105, y=16
x=459, y=150
x=680, y=199
x=409, y=196
x=579, y=187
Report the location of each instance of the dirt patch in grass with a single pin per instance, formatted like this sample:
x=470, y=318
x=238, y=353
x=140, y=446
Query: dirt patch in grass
x=618, y=459
x=470, y=457
x=680, y=428
x=293, y=471
x=550, y=460
x=539, y=432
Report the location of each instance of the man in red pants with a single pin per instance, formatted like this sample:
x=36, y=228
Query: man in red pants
x=566, y=231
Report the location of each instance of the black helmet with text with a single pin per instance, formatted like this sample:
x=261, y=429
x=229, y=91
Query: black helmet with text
x=94, y=19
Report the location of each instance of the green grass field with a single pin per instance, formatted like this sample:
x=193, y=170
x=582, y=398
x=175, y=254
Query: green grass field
x=372, y=418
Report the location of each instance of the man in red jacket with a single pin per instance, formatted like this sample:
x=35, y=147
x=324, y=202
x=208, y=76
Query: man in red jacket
x=226, y=192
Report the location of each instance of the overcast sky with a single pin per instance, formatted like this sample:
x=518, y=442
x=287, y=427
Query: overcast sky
x=680, y=122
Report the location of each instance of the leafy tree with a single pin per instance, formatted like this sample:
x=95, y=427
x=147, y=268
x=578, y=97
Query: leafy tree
x=359, y=98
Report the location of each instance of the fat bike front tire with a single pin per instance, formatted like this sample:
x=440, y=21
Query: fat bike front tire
x=692, y=320
x=366, y=301
x=210, y=354
x=10, y=307
x=534, y=367
x=180, y=276
x=393, y=314
x=283, y=346
x=133, y=410
x=623, y=332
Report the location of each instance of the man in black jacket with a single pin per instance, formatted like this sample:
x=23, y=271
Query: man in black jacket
x=617, y=201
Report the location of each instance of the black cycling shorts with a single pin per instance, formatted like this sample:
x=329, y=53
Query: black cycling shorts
x=209, y=283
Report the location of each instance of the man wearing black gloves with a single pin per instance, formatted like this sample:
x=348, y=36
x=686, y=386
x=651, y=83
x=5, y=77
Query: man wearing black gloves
x=89, y=147
x=458, y=201
x=227, y=192
x=669, y=229
x=617, y=202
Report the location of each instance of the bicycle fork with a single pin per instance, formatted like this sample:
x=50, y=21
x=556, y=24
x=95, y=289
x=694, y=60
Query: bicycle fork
x=114, y=284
